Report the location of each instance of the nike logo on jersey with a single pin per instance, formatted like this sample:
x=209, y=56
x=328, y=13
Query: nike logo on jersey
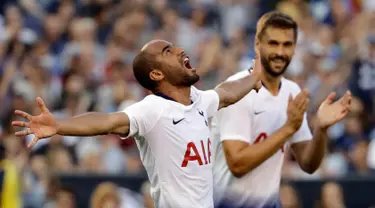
x=259, y=112
x=178, y=121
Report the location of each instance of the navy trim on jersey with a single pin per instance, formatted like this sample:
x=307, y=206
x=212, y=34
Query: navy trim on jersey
x=267, y=88
x=277, y=204
x=167, y=97
x=231, y=206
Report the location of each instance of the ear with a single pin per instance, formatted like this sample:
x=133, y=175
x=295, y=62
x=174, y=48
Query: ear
x=156, y=75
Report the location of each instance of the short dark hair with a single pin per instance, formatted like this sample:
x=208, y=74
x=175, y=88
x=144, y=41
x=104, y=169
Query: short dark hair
x=277, y=20
x=143, y=64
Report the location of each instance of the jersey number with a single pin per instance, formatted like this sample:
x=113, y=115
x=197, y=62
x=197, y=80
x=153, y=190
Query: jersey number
x=263, y=136
x=192, y=154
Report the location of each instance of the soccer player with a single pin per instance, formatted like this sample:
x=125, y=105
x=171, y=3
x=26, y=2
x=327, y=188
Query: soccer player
x=251, y=136
x=170, y=126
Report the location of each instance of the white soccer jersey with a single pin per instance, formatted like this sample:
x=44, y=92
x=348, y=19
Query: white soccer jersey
x=174, y=145
x=252, y=120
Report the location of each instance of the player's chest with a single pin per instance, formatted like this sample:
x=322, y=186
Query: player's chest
x=188, y=139
x=186, y=125
x=268, y=115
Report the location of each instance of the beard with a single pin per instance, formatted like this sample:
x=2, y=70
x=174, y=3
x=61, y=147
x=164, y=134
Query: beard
x=266, y=63
x=189, y=80
x=184, y=80
x=179, y=77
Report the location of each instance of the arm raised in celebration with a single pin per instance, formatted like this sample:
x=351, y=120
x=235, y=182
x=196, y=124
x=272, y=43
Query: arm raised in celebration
x=231, y=92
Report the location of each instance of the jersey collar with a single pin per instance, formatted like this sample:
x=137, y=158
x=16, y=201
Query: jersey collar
x=267, y=88
x=167, y=97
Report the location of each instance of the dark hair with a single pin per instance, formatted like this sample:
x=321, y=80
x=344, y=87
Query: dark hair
x=277, y=20
x=142, y=66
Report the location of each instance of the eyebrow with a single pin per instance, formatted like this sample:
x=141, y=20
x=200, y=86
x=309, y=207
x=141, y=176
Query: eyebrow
x=166, y=47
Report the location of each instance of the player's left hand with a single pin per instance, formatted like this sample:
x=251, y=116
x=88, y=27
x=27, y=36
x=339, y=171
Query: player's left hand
x=331, y=112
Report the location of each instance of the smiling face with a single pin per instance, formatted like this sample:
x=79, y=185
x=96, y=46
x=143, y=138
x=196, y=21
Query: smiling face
x=276, y=38
x=160, y=62
x=276, y=50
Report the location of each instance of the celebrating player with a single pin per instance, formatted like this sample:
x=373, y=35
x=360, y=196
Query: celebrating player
x=250, y=137
x=170, y=126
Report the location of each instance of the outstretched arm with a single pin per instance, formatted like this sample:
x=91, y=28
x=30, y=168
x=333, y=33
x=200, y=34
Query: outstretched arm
x=231, y=92
x=93, y=123
x=89, y=124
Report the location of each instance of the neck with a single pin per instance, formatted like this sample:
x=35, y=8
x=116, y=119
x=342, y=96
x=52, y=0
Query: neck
x=270, y=82
x=178, y=94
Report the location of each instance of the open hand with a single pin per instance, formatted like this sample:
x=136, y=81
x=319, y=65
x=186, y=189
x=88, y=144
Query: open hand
x=330, y=113
x=42, y=126
x=297, y=109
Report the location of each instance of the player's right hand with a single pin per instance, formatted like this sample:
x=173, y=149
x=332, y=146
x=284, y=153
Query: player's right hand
x=42, y=126
x=297, y=109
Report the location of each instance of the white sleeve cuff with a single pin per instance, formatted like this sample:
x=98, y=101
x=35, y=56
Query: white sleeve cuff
x=132, y=125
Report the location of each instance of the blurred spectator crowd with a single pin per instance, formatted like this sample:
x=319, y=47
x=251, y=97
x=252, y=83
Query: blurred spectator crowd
x=77, y=55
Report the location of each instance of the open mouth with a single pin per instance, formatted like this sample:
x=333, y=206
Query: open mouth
x=186, y=63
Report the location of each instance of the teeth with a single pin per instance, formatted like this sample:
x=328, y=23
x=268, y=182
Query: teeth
x=186, y=59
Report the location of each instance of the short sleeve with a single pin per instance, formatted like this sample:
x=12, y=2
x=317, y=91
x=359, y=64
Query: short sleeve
x=212, y=101
x=143, y=117
x=303, y=134
x=234, y=122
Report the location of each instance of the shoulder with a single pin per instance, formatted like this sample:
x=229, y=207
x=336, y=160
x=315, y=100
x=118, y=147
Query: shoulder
x=237, y=76
x=245, y=103
x=241, y=74
x=197, y=94
x=150, y=106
